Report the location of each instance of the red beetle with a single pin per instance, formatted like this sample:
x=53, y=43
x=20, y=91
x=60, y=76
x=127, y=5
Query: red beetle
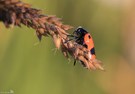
x=84, y=38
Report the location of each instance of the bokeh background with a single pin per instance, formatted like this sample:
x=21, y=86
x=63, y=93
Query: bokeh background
x=28, y=66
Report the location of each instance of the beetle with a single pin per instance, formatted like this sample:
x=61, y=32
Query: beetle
x=84, y=38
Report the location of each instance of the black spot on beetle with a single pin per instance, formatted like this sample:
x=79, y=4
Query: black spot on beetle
x=89, y=36
x=92, y=51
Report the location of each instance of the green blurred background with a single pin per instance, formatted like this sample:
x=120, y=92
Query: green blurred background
x=30, y=67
